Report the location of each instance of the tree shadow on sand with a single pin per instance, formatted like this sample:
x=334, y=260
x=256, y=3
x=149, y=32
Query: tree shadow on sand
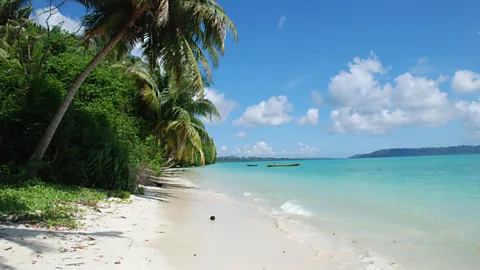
x=161, y=189
x=34, y=238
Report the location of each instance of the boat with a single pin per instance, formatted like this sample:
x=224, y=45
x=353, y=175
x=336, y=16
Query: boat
x=284, y=165
x=251, y=165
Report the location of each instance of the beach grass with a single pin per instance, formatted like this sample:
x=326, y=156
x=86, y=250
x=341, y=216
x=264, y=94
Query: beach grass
x=49, y=205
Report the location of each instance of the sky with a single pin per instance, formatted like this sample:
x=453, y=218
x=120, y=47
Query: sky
x=335, y=78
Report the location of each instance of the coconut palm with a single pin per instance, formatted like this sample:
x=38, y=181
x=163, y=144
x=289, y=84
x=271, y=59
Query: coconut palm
x=177, y=107
x=14, y=11
x=13, y=16
x=177, y=31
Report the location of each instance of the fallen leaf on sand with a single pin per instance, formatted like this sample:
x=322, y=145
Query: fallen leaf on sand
x=123, y=217
x=147, y=240
x=8, y=248
x=117, y=262
x=101, y=256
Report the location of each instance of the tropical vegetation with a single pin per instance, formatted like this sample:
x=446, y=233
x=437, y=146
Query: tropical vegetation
x=80, y=110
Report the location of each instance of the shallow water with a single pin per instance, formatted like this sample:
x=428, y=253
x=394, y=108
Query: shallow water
x=390, y=213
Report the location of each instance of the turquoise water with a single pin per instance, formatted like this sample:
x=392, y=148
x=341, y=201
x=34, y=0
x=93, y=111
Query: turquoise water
x=390, y=213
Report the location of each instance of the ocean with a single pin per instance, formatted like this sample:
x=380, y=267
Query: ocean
x=386, y=213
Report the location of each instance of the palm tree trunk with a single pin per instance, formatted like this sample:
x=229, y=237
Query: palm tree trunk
x=44, y=142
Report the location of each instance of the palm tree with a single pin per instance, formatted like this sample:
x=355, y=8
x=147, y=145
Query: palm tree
x=14, y=11
x=13, y=16
x=177, y=107
x=177, y=31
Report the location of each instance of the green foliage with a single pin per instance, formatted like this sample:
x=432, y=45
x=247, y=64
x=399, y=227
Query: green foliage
x=96, y=143
x=49, y=204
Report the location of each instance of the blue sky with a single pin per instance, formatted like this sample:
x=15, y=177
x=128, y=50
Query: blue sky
x=336, y=78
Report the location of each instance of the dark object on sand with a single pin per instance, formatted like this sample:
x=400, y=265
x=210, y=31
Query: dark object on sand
x=212, y=218
x=251, y=165
x=284, y=165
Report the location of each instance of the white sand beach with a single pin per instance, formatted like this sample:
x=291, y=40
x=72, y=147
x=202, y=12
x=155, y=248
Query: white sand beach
x=121, y=236
x=164, y=229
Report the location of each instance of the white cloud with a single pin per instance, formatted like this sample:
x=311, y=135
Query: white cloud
x=224, y=106
x=273, y=112
x=422, y=67
x=281, y=21
x=316, y=97
x=304, y=151
x=259, y=149
x=364, y=105
x=223, y=148
x=301, y=144
x=466, y=81
x=240, y=134
x=55, y=18
x=470, y=111
x=311, y=118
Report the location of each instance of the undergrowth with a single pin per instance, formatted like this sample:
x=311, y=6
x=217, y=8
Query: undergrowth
x=50, y=205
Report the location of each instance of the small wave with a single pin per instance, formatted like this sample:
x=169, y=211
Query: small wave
x=247, y=194
x=290, y=207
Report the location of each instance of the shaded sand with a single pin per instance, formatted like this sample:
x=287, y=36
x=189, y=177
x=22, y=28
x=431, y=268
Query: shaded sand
x=122, y=236
x=239, y=238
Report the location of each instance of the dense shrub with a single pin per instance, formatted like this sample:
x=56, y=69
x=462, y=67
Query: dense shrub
x=96, y=143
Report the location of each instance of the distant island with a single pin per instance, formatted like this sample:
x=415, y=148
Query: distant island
x=252, y=159
x=424, y=151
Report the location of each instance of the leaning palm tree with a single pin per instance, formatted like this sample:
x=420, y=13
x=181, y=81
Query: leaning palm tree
x=177, y=31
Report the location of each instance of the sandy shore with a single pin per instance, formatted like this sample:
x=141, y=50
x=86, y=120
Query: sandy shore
x=239, y=238
x=165, y=229
x=121, y=236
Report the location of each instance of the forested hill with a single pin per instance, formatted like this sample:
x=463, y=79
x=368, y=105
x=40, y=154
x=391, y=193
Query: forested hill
x=425, y=151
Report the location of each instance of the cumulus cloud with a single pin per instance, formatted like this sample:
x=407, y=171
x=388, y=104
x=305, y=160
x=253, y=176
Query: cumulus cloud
x=470, y=111
x=310, y=118
x=281, y=21
x=466, y=81
x=259, y=149
x=224, y=106
x=240, y=134
x=273, y=112
x=364, y=105
x=316, y=97
x=223, y=148
x=56, y=18
x=303, y=151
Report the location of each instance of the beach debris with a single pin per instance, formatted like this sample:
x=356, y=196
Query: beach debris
x=212, y=218
x=284, y=252
x=74, y=264
x=147, y=240
x=8, y=248
x=333, y=234
x=118, y=262
x=123, y=217
x=194, y=254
